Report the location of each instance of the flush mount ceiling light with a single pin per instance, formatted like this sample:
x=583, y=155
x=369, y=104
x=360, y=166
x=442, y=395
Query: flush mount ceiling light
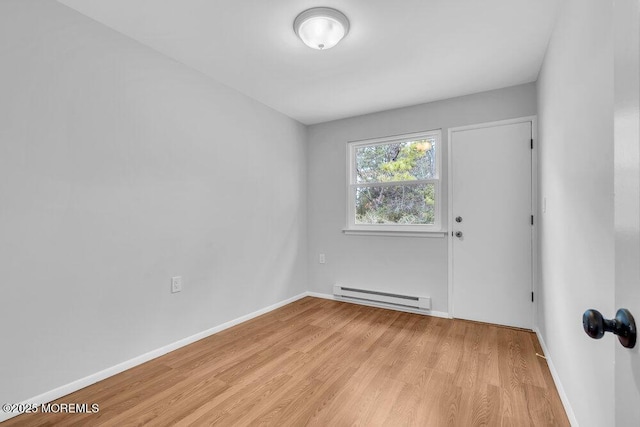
x=321, y=27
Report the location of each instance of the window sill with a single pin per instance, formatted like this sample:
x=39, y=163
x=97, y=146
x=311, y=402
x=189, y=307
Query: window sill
x=395, y=233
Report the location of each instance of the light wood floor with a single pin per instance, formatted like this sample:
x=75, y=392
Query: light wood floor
x=327, y=363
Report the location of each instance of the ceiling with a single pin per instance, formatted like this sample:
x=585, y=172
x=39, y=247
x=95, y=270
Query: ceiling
x=397, y=53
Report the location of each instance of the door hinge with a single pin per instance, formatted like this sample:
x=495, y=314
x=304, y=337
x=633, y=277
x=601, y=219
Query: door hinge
x=531, y=296
x=532, y=143
x=531, y=219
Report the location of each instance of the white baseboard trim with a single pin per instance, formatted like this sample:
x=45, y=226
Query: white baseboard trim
x=556, y=379
x=378, y=305
x=120, y=367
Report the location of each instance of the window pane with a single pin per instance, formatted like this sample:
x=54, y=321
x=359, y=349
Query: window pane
x=398, y=161
x=402, y=204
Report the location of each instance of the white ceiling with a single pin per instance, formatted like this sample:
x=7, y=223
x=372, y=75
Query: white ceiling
x=397, y=53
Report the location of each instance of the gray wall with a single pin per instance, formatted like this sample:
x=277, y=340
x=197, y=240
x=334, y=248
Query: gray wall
x=575, y=107
x=400, y=264
x=120, y=168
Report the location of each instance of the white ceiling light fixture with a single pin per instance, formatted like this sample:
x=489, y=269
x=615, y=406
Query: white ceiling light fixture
x=321, y=27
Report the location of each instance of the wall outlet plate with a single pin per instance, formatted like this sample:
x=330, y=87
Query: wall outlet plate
x=176, y=284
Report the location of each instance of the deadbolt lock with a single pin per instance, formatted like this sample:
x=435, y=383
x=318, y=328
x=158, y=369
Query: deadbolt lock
x=458, y=219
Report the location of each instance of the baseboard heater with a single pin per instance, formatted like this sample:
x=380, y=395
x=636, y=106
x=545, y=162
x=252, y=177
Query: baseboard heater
x=391, y=300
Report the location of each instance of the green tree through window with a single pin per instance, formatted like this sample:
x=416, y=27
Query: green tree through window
x=395, y=183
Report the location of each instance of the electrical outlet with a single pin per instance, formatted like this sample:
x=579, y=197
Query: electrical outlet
x=321, y=259
x=176, y=284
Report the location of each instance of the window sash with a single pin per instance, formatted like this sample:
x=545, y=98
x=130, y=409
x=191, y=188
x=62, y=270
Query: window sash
x=396, y=183
x=357, y=152
x=353, y=185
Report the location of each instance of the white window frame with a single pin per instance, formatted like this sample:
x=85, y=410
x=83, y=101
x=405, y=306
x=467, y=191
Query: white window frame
x=394, y=229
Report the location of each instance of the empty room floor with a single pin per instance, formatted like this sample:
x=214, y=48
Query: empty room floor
x=328, y=363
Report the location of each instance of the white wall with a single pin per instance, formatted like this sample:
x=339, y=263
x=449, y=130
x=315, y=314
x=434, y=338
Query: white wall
x=120, y=168
x=575, y=107
x=401, y=264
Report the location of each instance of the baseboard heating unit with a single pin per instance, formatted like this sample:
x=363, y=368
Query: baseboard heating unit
x=381, y=298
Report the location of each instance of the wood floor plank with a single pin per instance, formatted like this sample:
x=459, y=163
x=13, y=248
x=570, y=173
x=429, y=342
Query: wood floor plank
x=325, y=363
x=318, y=401
x=237, y=391
x=372, y=407
x=270, y=414
x=168, y=405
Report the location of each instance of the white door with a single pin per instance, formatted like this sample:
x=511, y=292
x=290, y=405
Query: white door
x=491, y=208
x=627, y=203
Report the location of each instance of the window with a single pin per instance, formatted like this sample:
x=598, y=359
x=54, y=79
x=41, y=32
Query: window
x=394, y=183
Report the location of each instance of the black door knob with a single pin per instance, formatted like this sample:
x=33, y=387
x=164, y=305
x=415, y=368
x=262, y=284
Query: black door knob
x=623, y=325
x=458, y=233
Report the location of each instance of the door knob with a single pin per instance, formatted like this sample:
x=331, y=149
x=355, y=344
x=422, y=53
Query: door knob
x=458, y=219
x=623, y=325
x=458, y=233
